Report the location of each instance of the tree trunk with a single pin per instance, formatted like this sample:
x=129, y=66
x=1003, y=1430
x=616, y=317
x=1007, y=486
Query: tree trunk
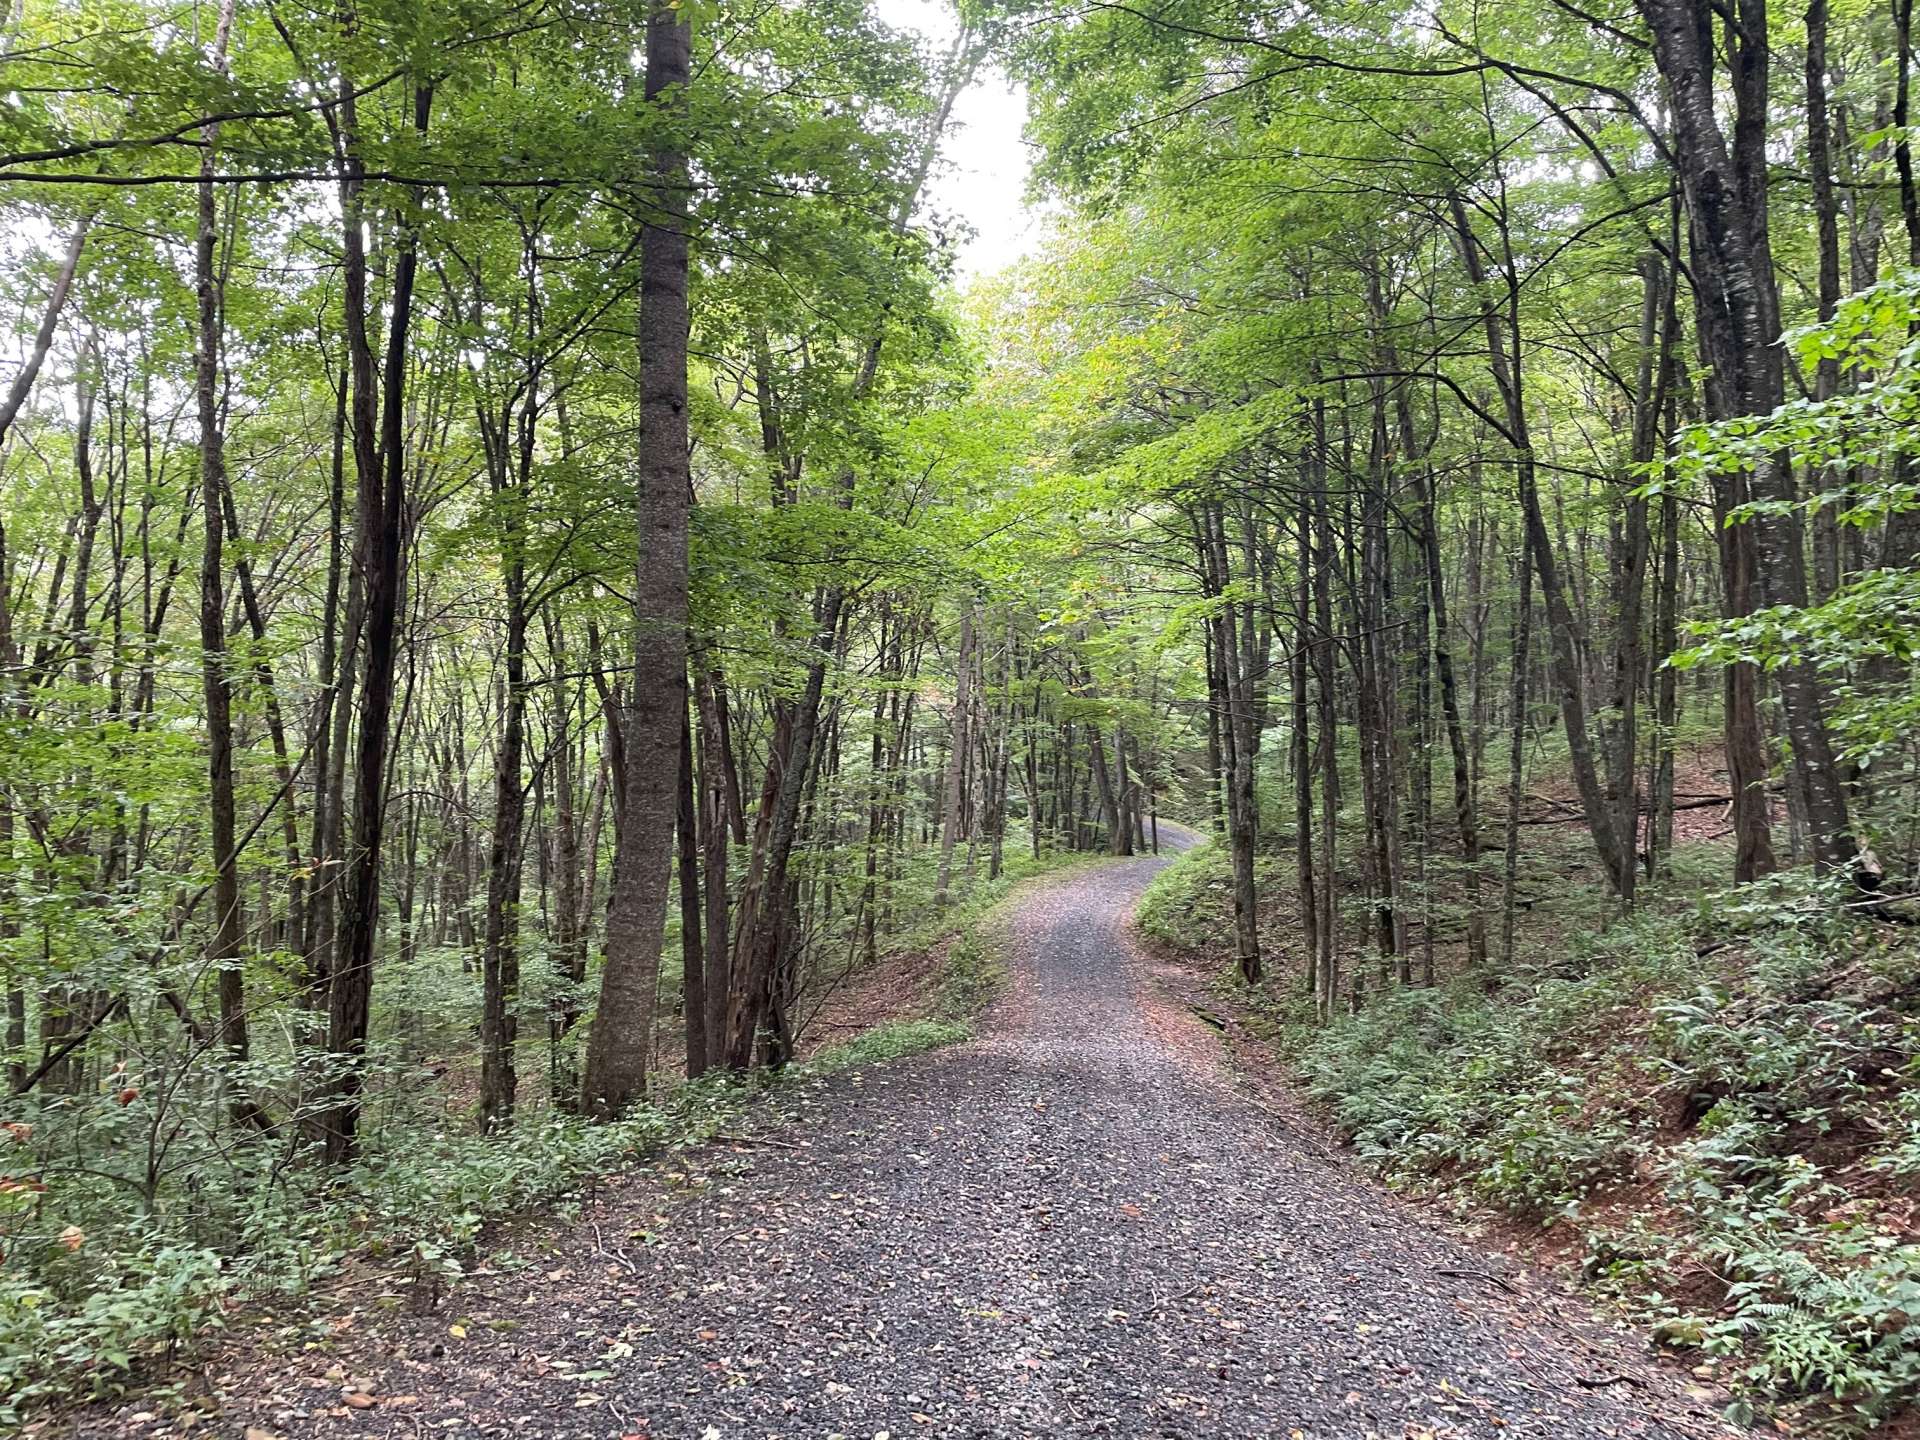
x=1732, y=269
x=1239, y=736
x=500, y=953
x=1326, y=967
x=224, y=950
x=22, y=386
x=573, y=901
x=957, y=758
x=1301, y=753
x=616, y=1068
x=693, y=960
x=1517, y=748
x=713, y=825
x=1466, y=818
x=382, y=513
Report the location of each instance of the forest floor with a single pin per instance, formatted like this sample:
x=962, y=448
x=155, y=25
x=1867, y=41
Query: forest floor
x=1076, y=1224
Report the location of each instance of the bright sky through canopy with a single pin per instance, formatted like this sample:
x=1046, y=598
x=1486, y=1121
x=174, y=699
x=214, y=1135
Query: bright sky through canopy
x=982, y=179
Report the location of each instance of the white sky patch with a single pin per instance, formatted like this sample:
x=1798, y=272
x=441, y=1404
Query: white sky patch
x=982, y=180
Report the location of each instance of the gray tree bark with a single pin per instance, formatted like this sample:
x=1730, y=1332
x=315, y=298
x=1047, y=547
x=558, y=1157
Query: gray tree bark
x=655, y=714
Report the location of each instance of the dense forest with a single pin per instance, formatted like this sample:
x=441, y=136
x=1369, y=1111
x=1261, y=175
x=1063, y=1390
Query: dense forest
x=522, y=568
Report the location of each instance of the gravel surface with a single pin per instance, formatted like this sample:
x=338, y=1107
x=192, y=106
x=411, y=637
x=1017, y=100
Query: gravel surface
x=1072, y=1226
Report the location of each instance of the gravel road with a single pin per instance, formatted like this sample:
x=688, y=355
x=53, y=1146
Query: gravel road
x=1071, y=1226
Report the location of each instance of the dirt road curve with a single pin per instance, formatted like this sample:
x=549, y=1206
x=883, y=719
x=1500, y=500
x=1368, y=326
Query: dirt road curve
x=1073, y=1226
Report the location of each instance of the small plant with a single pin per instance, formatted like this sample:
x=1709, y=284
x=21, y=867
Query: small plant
x=137, y=1306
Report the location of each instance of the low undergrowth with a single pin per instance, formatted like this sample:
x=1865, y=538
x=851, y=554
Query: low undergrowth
x=1717, y=1107
x=892, y=1041
x=100, y=1303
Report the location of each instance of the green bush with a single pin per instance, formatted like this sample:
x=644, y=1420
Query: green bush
x=140, y=1303
x=86, y=1299
x=1189, y=904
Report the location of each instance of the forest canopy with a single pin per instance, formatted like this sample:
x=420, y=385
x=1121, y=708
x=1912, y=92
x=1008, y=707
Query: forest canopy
x=523, y=565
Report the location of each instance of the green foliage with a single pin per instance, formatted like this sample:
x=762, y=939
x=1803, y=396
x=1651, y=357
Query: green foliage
x=86, y=1299
x=1554, y=1098
x=889, y=1042
x=1492, y=1092
x=1858, y=446
x=970, y=978
x=1174, y=902
x=143, y=1303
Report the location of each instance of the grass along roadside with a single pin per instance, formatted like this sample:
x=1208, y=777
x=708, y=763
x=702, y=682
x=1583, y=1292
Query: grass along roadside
x=401, y=1225
x=1711, y=1110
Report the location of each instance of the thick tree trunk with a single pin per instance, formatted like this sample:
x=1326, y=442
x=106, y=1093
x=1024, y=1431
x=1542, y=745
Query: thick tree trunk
x=1121, y=841
x=617, y=1051
x=329, y=715
x=1103, y=783
x=1901, y=542
x=759, y=925
x=1826, y=221
x=1632, y=544
x=573, y=900
x=1666, y=705
x=886, y=698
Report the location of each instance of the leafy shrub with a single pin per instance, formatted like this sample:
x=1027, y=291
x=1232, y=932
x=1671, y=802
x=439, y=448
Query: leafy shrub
x=84, y=1305
x=1189, y=904
x=138, y=1304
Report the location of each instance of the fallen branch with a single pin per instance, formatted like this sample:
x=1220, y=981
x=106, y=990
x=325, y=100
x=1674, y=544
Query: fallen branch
x=1489, y=1277
x=600, y=1244
x=1574, y=817
x=758, y=1140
